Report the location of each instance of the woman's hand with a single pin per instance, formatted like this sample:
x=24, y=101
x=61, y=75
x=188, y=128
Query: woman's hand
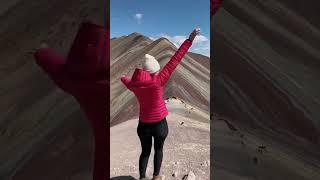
x=194, y=33
x=44, y=45
x=34, y=50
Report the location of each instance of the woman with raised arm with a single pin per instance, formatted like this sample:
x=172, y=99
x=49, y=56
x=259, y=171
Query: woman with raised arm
x=84, y=74
x=148, y=85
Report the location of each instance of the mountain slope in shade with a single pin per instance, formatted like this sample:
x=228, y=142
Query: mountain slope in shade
x=42, y=130
x=190, y=81
x=266, y=75
x=240, y=155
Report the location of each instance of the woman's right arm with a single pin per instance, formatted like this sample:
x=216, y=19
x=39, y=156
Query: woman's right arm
x=168, y=69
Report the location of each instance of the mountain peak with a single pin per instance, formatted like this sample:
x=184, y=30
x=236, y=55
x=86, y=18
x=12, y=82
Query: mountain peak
x=164, y=40
x=126, y=55
x=135, y=34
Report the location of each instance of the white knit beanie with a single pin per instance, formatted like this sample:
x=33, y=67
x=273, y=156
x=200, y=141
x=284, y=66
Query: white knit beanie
x=151, y=64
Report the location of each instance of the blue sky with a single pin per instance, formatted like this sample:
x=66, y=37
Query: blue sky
x=173, y=19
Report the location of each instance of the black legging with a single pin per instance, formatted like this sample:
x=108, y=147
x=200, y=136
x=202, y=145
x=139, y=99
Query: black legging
x=146, y=131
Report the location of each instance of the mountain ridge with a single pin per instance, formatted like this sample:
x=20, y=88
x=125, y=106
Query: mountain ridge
x=179, y=85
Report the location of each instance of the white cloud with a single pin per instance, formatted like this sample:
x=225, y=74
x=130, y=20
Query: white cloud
x=138, y=17
x=201, y=44
x=153, y=38
x=200, y=39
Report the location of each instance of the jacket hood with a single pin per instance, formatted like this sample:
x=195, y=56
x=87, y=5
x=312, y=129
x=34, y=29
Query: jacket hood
x=142, y=78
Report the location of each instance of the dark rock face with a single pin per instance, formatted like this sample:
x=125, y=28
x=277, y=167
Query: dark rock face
x=266, y=68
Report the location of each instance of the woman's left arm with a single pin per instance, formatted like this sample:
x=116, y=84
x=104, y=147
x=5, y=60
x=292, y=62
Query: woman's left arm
x=50, y=61
x=125, y=80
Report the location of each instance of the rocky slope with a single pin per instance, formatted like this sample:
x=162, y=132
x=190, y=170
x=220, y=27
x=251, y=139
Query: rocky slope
x=190, y=81
x=186, y=149
x=41, y=127
x=241, y=155
x=265, y=80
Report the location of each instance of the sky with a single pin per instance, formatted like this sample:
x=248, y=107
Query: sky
x=173, y=19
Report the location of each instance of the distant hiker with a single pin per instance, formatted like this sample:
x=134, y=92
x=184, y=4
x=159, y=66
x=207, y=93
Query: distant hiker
x=148, y=85
x=84, y=75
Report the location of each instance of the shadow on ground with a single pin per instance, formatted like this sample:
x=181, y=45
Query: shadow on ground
x=123, y=178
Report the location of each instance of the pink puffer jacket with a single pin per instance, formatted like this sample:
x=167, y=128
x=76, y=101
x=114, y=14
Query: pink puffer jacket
x=148, y=88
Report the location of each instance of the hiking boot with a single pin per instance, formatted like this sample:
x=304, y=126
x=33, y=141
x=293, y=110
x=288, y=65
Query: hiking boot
x=156, y=178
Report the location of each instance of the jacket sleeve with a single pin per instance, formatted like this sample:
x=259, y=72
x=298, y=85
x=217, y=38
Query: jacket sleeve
x=126, y=81
x=49, y=61
x=168, y=69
